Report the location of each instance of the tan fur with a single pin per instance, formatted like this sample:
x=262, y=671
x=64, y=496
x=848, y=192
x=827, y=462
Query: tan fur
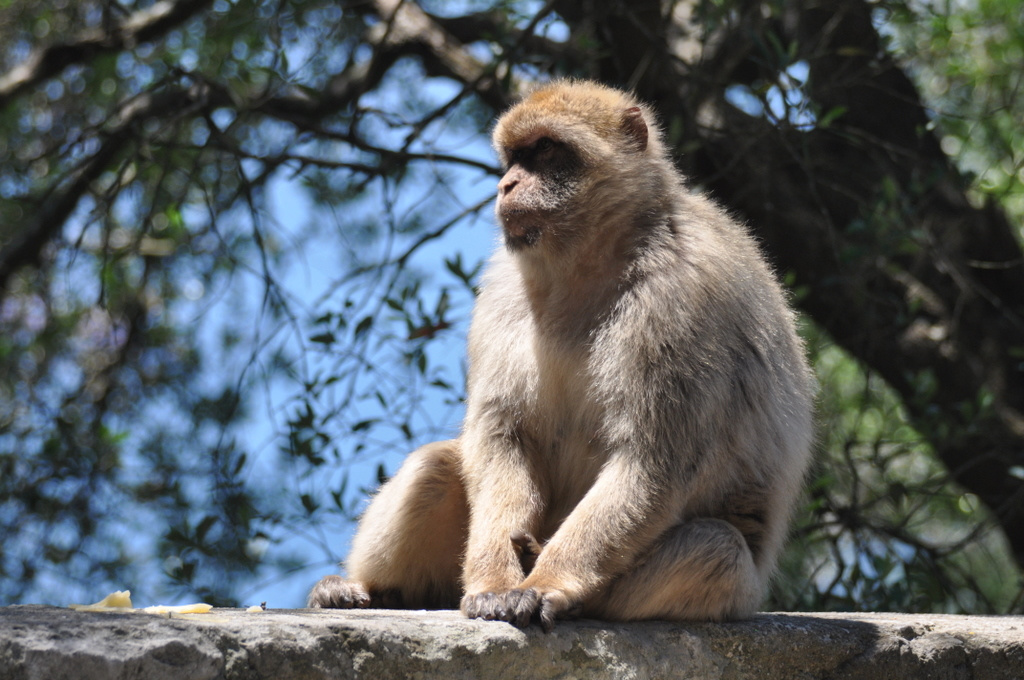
x=638, y=398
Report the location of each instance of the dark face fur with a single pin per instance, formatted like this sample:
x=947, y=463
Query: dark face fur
x=539, y=183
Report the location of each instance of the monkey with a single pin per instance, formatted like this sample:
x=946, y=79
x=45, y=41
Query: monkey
x=639, y=407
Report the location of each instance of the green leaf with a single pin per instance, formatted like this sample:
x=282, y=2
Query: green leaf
x=363, y=327
x=831, y=116
x=323, y=338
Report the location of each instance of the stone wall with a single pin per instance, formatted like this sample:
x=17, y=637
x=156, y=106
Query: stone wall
x=49, y=643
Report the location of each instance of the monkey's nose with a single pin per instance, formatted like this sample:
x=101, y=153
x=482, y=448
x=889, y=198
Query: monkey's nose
x=505, y=187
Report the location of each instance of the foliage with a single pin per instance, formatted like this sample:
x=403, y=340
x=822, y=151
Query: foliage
x=239, y=242
x=885, y=529
x=967, y=65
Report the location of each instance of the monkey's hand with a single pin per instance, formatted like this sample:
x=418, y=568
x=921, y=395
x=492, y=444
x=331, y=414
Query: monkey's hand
x=519, y=606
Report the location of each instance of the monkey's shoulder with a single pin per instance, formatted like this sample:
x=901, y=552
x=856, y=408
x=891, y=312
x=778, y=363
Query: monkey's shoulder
x=700, y=302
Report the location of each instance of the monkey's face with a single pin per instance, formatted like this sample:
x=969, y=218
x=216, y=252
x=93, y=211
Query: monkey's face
x=535, y=195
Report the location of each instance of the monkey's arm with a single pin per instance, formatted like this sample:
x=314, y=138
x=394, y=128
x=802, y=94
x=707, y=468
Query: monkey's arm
x=504, y=500
x=617, y=521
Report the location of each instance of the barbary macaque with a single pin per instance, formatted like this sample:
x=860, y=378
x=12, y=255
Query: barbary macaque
x=639, y=407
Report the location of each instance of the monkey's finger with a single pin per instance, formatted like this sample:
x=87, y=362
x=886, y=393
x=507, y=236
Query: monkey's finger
x=469, y=606
x=547, y=619
x=507, y=606
x=353, y=595
x=553, y=605
x=510, y=604
x=526, y=605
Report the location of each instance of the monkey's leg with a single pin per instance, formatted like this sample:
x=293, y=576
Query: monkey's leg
x=701, y=571
x=407, y=551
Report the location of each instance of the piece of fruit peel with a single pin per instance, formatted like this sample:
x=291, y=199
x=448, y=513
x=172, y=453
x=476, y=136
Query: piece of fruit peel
x=197, y=608
x=121, y=600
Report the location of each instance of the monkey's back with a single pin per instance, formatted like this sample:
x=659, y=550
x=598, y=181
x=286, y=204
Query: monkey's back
x=709, y=323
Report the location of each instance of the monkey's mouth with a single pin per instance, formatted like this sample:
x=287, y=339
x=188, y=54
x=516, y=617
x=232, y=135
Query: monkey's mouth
x=522, y=228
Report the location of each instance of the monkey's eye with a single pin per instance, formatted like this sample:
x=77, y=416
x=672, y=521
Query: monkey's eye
x=543, y=144
x=532, y=153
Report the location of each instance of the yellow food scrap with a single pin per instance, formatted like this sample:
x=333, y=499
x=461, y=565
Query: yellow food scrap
x=197, y=608
x=255, y=608
x=120, y=599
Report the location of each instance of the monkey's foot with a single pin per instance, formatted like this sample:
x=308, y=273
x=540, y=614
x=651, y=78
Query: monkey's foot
x=527, y=548
x=519, y=607
x=334, y=592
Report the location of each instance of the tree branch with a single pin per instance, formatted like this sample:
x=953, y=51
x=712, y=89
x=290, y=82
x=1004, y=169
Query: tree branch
x=441, y=52
x=493, y=25
x=61, y=200
x=408, y=31
x=143, y=26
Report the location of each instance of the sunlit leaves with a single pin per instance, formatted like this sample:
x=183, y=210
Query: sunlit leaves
x=885, y=529
x=967, y=62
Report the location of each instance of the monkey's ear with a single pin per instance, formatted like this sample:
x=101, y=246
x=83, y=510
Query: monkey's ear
x=633, y=124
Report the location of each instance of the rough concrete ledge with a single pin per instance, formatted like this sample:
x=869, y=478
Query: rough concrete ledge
x=52, y=643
